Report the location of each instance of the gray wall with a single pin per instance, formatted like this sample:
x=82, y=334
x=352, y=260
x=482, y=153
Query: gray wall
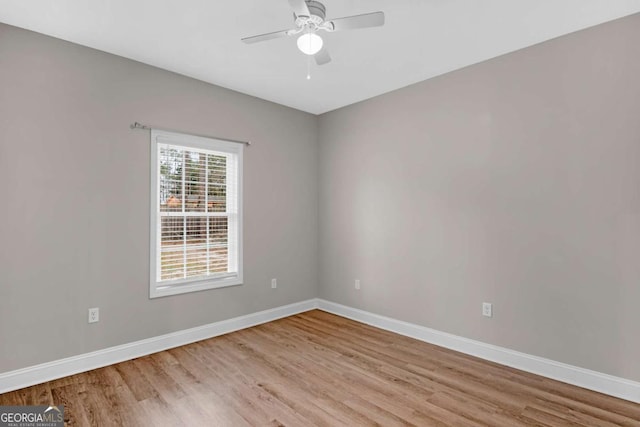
x=515, y=181
x=74, y=194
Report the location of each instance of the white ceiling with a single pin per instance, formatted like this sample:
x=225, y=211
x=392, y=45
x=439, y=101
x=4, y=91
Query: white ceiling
x=201, y=39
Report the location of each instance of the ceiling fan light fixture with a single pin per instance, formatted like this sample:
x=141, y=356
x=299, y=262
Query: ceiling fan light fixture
x=310, y=43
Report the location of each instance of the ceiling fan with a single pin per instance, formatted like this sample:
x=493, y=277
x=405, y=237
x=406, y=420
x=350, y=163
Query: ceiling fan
x=309, y=19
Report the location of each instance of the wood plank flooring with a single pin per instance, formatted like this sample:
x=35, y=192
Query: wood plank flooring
x=319, y=369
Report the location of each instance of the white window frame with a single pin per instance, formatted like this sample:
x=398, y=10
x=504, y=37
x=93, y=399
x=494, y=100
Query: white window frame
x=179, y=286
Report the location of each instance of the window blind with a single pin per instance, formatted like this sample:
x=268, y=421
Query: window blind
x=197, y=214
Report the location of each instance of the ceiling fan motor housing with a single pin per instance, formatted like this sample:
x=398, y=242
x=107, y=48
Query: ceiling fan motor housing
x=316, y=9
x=317, y=12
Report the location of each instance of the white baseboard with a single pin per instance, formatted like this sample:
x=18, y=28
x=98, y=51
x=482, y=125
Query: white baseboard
x=20, y=378
x=592, y=380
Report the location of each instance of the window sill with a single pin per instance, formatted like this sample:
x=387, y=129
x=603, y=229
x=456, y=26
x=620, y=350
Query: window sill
x=201, y=285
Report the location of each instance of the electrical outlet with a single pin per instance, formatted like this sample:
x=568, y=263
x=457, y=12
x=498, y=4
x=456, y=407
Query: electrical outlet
x=274, y=283
x=487, y=309
x=94, y=315
x=357, y=284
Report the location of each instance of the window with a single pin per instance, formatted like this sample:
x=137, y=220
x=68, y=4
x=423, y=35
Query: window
x=196, y=213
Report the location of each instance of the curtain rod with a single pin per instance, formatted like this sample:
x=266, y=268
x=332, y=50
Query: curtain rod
x=137, y=125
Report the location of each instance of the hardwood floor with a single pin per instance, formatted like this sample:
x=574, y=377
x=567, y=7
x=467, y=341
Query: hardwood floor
x=319, y=369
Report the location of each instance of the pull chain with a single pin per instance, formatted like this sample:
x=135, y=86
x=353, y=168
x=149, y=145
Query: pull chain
x=308, y=67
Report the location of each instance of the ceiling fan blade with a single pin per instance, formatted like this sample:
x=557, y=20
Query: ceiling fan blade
x=366, y=20
x=322, y=57
x=265, y=37
x=299, y=7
